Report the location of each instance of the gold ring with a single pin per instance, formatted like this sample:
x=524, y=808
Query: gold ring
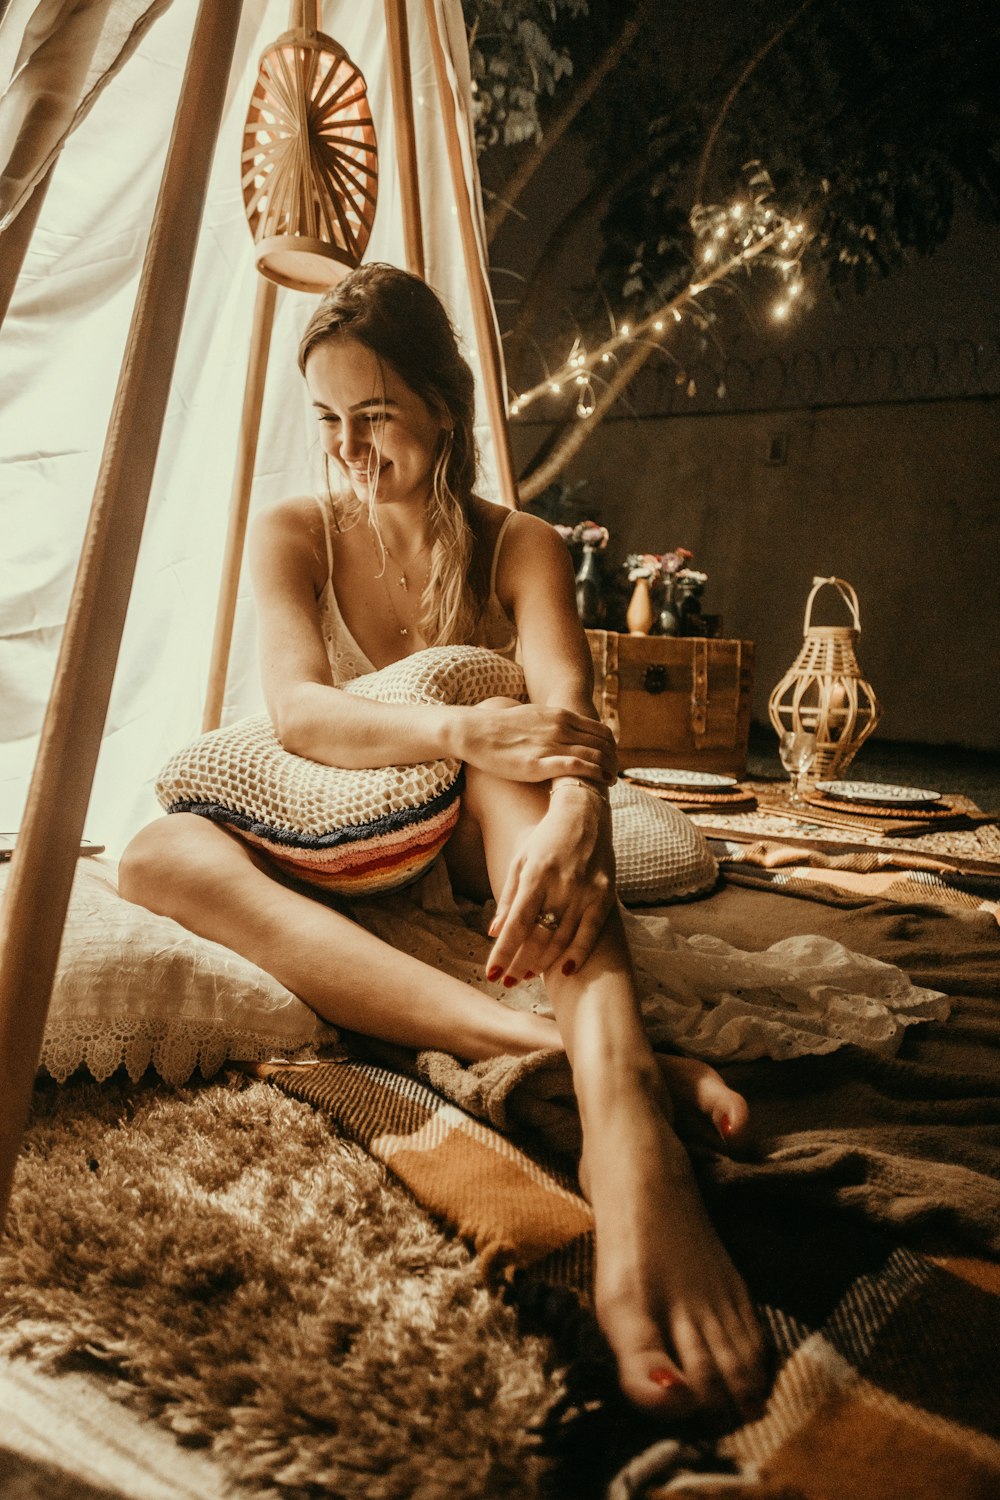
x=547, y=919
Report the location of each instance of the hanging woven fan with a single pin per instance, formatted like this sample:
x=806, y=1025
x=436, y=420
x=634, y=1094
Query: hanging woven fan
x=310, y=162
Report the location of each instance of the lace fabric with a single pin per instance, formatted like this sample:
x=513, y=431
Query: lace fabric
x=346, y=658
x=699, y=995
x=135, y=990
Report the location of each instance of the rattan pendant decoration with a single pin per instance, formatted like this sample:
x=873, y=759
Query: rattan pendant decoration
x=310, y=162
x=823, y=691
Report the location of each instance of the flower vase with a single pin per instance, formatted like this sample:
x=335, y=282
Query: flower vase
x=639, y=616
x=688, y=607
x=669, y=622
x=589, y=600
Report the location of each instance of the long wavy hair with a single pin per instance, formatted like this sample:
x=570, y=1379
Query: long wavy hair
x=401, y=321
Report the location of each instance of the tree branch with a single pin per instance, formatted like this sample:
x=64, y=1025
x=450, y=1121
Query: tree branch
x=580, y=430
x=529, y=165
x=754, y=63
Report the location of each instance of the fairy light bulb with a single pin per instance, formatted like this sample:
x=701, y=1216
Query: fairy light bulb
x=624, y=330
x=779, y=310
x=658, y=325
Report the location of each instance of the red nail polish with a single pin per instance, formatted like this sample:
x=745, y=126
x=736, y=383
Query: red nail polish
x=494, y=974
x=509, y=982
x=726, y=1127
x=665, y=1378
x=530, y=974
x=569, y=967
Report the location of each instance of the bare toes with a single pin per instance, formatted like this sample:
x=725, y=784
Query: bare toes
x=698, y=1089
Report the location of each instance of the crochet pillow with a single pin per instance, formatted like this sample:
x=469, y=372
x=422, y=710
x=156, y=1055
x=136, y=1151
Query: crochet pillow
x=362, y=832
x=660, y=854
x=354, y=832
x=134, y=990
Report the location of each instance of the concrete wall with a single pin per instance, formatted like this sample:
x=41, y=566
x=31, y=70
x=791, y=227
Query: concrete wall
x=902, y=500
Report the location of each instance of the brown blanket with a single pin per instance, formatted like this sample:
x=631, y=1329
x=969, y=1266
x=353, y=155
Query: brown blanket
x=910, y=1142
x=859, y=1218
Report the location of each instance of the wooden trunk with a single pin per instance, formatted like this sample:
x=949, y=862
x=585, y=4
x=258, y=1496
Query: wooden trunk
x=682, y=702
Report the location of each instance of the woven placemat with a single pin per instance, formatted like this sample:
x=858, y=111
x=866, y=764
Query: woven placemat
x=922, y=814
x=735, y=796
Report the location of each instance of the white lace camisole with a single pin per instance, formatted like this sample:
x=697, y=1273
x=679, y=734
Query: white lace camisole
x=347, y=660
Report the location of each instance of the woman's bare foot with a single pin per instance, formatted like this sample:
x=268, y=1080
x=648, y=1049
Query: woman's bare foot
x=698, y=1092
x=672, y=1305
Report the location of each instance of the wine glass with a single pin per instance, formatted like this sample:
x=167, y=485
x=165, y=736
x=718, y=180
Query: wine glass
x=797, y=748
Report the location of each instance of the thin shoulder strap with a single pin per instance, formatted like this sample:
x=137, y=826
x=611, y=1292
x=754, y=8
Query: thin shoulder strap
x=324, y=511
x=496, y=550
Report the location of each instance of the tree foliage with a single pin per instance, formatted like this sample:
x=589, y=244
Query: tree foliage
x=871, y=120
x=518, y=60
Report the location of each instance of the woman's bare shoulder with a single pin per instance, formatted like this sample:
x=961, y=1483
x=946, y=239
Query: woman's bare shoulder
x=532, y=541
x=293, y=526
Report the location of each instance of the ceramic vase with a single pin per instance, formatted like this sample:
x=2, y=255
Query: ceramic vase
x=639, y=616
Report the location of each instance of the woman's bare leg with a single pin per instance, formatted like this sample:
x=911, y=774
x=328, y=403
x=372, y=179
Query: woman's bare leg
x=673, y=1307
x=187, y=868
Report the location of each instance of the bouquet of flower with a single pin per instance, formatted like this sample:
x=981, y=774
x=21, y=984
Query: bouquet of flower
x=661, y=567
x=586, y=534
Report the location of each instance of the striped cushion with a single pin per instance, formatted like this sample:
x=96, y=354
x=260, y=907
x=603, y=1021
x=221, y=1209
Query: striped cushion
x=355, y=832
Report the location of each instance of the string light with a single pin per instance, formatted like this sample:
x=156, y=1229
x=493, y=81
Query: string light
x=727, y=239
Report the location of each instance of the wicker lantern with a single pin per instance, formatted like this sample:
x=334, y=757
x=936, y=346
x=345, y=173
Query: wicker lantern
x=310, y=162
x=823, y=691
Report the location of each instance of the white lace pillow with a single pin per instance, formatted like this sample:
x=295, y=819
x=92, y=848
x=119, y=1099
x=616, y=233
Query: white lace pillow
x=661, y=855
x=356, y=832
x=136, y=990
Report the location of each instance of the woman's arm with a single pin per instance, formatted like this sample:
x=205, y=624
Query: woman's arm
x=567, y=865
x=315, y=719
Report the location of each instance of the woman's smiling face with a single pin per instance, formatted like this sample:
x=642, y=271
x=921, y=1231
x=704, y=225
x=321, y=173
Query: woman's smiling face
x=378, y=431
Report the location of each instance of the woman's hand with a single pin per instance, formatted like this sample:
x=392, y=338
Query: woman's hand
x=524, y=742
x=565, y=867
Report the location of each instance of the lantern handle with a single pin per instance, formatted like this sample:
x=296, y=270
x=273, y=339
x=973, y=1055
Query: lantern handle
x=845, y=591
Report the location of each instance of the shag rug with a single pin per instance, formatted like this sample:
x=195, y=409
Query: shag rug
x=267, y=1291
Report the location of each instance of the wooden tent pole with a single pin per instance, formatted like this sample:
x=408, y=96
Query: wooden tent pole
x=16, y=238
x=45, y=856
x=489, y=358
x=239, y=502
x=398, y=37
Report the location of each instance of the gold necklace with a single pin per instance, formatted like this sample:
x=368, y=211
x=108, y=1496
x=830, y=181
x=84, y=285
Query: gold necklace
x=404, y=585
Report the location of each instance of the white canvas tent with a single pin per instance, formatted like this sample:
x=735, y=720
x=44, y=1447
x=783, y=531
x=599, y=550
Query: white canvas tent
x=67, y=336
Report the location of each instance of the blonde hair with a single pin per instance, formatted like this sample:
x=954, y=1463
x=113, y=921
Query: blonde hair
x=400, y=320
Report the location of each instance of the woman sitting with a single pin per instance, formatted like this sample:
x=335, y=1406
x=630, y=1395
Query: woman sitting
x=405, y=556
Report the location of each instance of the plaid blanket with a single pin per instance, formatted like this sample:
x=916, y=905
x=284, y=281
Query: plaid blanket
x=866, y=1221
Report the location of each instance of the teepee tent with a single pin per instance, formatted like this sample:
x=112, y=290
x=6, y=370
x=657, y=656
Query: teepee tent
x=149, y=280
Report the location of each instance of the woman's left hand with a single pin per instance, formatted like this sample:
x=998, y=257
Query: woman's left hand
x=566, y=868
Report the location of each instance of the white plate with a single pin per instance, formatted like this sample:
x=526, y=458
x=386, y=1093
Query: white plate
x=663, y=776
x=878, y=793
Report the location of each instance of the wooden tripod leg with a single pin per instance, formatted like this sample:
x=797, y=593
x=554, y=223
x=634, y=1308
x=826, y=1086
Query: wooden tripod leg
x=42, y=874
x=398, y=37
x=482, y=314
x=16, y=238
x=239, y=504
